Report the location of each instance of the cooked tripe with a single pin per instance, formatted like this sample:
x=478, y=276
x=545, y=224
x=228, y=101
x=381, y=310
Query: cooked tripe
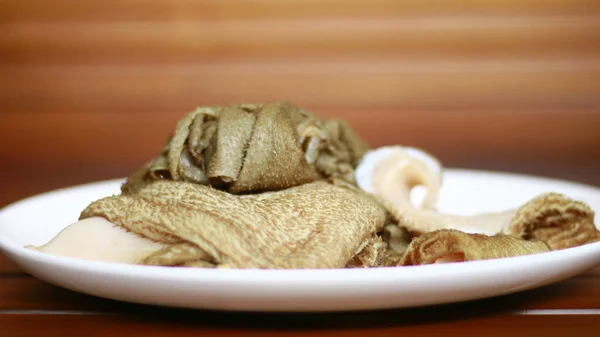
x=449, y=245
x=316, y=225
x=250, y=148
x=98, y=239
x=243, y=186
x=272, y=186
x=391, y=173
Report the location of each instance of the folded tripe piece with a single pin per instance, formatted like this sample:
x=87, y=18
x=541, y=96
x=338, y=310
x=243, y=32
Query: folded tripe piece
x=252, y=148
x=316, y=225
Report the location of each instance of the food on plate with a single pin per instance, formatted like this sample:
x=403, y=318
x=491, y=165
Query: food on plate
x=450, y=245
x=391, y=173
x=555, y=220
x=250, y=148
x=272, y=186
x=315, y=225
x=98, y=239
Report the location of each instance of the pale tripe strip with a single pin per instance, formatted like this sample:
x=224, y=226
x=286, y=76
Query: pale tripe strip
x=98, y=239
x=426, y=170
x=391, y=173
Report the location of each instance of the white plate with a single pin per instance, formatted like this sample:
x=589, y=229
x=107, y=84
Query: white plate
x=37, y=219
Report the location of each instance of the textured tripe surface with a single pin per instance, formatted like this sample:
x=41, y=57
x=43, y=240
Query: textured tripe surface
x=271, y=186
x=252, y=148
x=448, y=245
x=558, y=221
x=315, y=225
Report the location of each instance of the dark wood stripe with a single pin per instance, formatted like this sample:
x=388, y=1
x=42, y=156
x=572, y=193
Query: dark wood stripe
x=388, y=323
x=427, y=85
x=98, y=137
x=470, y=37
x=109, y=10
x=9, y=269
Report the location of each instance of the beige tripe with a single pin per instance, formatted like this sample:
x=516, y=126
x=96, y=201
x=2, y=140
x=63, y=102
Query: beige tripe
x=250, y=148
x=449, y=245
x=391, y=173
x=315, y=225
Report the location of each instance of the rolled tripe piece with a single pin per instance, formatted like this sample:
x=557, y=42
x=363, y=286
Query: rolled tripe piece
x=447, y=246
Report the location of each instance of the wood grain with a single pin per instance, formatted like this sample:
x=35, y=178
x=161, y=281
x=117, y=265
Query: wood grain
x=385, y=324
x=156, y=10
x=98, y=137
x=484, y=85
x=8, y=268
x=414, y=38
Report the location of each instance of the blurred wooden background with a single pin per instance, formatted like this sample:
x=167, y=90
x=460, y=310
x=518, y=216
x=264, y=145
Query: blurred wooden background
x=89, y=90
